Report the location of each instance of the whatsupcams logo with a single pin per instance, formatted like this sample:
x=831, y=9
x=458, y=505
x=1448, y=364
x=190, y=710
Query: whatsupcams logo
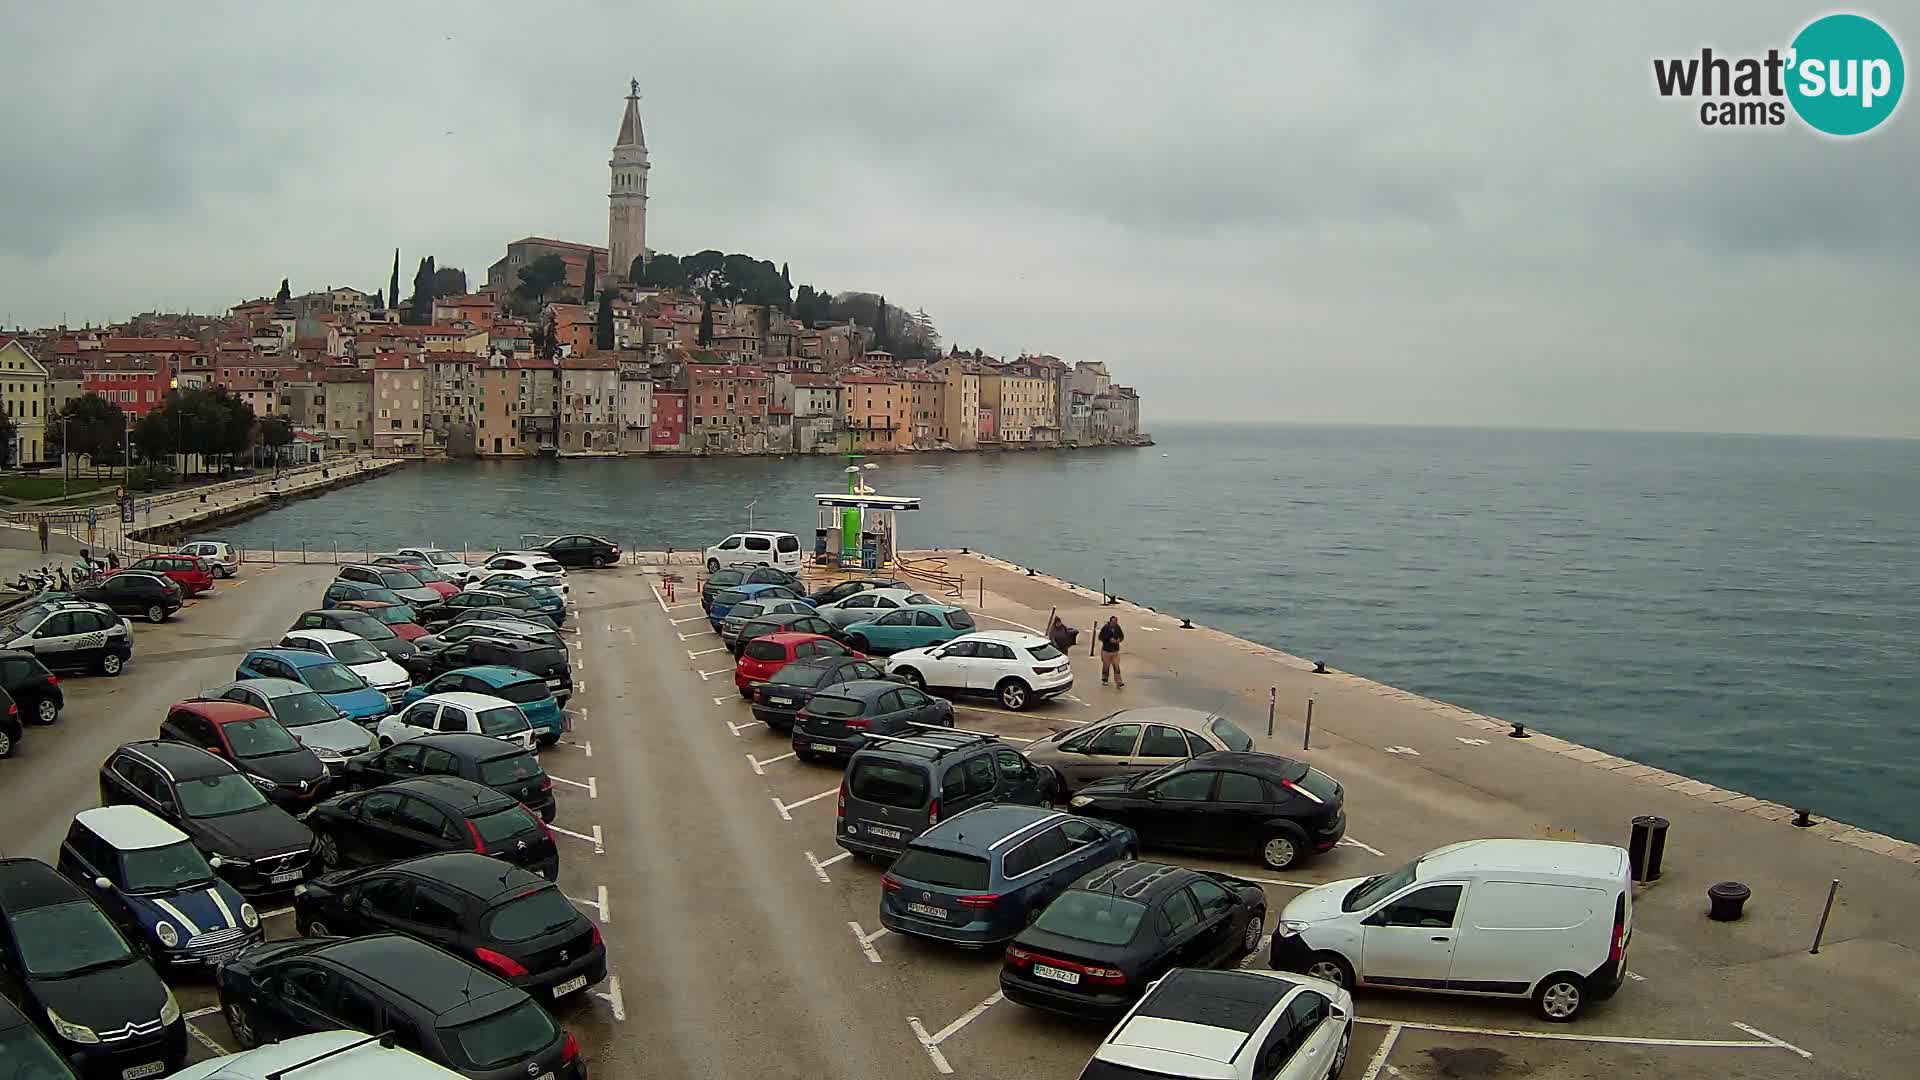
x=1842, y=75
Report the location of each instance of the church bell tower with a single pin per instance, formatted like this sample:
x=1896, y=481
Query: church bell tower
x=627, y=194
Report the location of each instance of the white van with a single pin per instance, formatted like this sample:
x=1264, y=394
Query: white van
x=1546, y=919
x=756, y=549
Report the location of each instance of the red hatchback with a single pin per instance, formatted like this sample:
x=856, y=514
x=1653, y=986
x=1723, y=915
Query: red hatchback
x=431, y=578
x=764, y=656
x=397, y=617
x=187, y=571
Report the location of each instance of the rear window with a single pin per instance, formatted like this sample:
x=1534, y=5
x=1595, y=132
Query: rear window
x=794, y=674
x=503, y=721
x=888, y=784
x=730, y=597
x=525, y=692
x=548, y=566
x=509, y=770
x=368, y=627
x=788, y=543
x=958, y=617
x=504, y=825
x=505, y=1037
x=1043, y=651
x=1316, y=783
x=832, y=707
x=399, y=579
x=530, y=915
x=726, y=577
x=545, y=658
x=1095, y=917
x=1235, y=739
x=767, y=650
x=944, y=869
x=746, y=609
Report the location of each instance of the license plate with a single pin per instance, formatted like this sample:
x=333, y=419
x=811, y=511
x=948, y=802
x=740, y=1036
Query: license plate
x=928, y=910
x=1071, y=978
x=553, y=684
x=891, y=834
x=576, y=983
x=780, y=701
x=151, y=1068
x=827, y=748
x=282, y=879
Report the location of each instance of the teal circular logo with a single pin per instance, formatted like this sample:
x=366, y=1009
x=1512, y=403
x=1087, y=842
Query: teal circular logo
x=1847, y=74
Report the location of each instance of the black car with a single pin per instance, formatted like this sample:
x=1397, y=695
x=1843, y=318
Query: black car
x=31, y=686
x=482, y=910
x=776, y=701
x=791, y=622
x=582, y=550
x=428, y=816
x=550, y=662
x=1274, y=808
x=10, y=727
x=730, y=577
x=71, y=636
x=840, y=590
x=261, y=848
x=497, y=602
x=502, y=766
x=1097, y=946
x=135, y=592
x=836, y=722
x=288, y=772
x=438, y=1006
x=360, y=624
x=67, y=966
x=23, y=1048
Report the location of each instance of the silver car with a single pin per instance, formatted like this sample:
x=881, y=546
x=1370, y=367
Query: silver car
x=313, y=720
x=870, y=605
x=217, y=554
x=1134, y=741
x=507, y=628
x=747, y=610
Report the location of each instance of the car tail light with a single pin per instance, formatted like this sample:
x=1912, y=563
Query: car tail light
x=889, y=883
x=473, y=831
x=1617, y=951
x=12, y=709
x=53, y=680
x=569, y=1049
x=933, y=813
x=859, y=724
x=505, y=965
x=1018, y=957
x=981, y=900
x=840, y=810
x=1110, y=976
x=1043, y=671
x=546, y=783
x=596, y=934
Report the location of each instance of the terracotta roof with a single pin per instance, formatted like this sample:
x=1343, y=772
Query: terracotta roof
x=869, y=379
x=452, y=358
x=391, y=362
x=589, y=363
x=133, y=344
x=558, y=244
x=808, y=379
x=345, y=375
x=726, y=371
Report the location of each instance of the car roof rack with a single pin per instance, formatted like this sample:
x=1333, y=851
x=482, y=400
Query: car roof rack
x=925, y=738
x=385, y=1039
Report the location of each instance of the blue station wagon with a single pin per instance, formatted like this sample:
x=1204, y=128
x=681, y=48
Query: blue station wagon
x=979, y=877
x=523, y=688
x=320, y=673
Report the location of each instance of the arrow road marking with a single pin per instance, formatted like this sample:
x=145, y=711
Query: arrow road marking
x=1402, y=750
x=1469, y=742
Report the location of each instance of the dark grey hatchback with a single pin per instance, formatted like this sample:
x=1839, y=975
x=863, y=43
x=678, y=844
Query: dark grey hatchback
x=837, y=721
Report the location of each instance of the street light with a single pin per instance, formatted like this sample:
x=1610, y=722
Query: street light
x=179, y=428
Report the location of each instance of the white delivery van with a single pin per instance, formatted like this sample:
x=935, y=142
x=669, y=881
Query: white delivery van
x=1545, y=919
x=756, y=549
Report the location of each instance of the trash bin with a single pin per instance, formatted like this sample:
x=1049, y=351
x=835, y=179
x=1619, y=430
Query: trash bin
x=1647, y=847
x=1725, y=901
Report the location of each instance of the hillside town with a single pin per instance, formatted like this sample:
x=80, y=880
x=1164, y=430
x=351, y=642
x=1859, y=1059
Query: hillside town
x=572, y=349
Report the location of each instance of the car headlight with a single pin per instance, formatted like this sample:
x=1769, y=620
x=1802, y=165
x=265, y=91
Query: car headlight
x=165, y=931
x=233, y=860
x=1079, y=801
x=74, y=1033
x=249, y=916
x=169, y=1012
x=1294, y=926
x=262, y=782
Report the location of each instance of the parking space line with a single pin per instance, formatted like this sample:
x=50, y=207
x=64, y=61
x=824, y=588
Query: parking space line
x=592, y=785
x=721, y=700
x=599, y=905
x=613, y=998
x=1279, y=882
x=1009, y=622
x=931, y=1043
x=820, y=865
x=759, y=766
x=690, y=618
x=599, y=845
x=738, y=728
x=198, y=1013
x=866, y=941
x=705, y=675
x=698, y=633
x=1764, y=1042
x=1379, y=1059
x=692, y=655
x=1351, y=842
x=206, y=1040
x=1781, y=1043
x=785, y=807
x=657, y=596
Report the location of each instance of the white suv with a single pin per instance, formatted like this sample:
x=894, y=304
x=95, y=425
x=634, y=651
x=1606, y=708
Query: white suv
x=325, y=1055
x=455, y=569
x=1015, y=667
x=475, y=714
x=756, y=549
x=1231, y=1025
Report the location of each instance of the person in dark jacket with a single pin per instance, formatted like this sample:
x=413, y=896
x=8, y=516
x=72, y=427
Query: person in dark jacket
x=1110, y=638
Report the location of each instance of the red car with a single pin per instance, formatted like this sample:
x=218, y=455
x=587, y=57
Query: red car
x=290, y=775
x=431, y=578
x=764, y=656
x=190, y=572
x=397, y=617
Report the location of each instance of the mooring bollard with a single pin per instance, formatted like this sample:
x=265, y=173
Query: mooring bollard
x=1186, y=624
x=1319, y=667
x=1519, y=731
x=1646, y=847
x=1725, y=901
x=1821, y=931
x=1803, y=819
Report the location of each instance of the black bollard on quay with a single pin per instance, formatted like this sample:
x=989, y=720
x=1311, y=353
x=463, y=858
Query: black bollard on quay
x=1726, y=900
x=1647, y=847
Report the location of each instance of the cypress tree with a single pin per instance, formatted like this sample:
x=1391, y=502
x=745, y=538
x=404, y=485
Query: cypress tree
x=706, y=319
x=285, y=293
x=586, y=290
x=603, y=324
x=393, y=286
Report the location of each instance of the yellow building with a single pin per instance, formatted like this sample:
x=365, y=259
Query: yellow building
x=23, y=394
x=1023, y=407
x=878, y=413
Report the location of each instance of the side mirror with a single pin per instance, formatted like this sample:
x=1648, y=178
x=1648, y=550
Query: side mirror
x=216, y=862
x=102, y=883
x=1378, y=918
x=1154, y=794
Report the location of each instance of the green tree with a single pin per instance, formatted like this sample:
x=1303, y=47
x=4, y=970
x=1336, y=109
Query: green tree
x=603, y=323
x=393, y=285
x=447, y=281
x=586, y=287
x=275, y=434
x=706, y=320
x=421, y=311
x=539, y=277
x=90, y=427
x=285, y=294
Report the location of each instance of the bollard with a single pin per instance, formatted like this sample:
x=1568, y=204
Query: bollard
x=1306, y=741
x=1821, y=931
x=1646, y=847
x=1186, y=624
x=1319, y=667
x=1273, y=695
x=1803, y=819
x=1519, y=731
x=983, y=592
x=1725, y=901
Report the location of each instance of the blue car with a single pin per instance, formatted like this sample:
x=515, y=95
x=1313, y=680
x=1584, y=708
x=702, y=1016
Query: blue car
x=321, y=674
x=341, y=590
x=552, y=604
x=151, y=881
x=523, y=688
x=917, y=627
x=722, y=601
x=979, y=877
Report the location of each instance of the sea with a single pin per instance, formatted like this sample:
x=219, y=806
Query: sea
x=1742, y=609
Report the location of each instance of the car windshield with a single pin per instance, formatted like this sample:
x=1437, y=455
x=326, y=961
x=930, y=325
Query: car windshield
x=67, y=939
x=24, y=624
x=522, y=601
x=29, y=1057
x=376, y=593
x=258, y=738
x=510, y=770
x=510, y=822
x=1379, y=887
x=508, y=1036
x=941, y=868
x=399, y=579
x=333, y=678
x=356, y=651
x=796, y=675
x=213, y=796
x=529, y=915
x=888, y=784
x=834, y=707
x=503, y=720
x=1101, y=918
x=960, y=620
x=524, y=692
x=367, y=626
x=729, y=598
x=1042, y=651
x=1229, y=734
x=164, y=869
x=300, y=710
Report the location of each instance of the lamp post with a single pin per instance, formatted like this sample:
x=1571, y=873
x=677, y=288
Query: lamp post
x=179, y=427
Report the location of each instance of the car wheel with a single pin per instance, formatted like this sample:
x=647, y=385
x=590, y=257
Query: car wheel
x=316, y=928
x=240, y=1022
x=1560, y=997
x=46, y=711
x=1281, y=851
x=156, y=614
x=913, y=678
x=1015, y=694
x=601, y=562
x=329, y=850
x=111, y=663
x=1332, y=967
x=226, y=572
x=6, y=744
x=747, y=692
x=713, y=567
x=385, y=742
x=1340, y=1054
x=1255, y=926
x=859, y=643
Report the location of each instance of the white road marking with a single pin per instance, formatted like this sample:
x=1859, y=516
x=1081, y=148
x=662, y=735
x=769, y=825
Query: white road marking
x=866, y=941
x=759, y=766
x=605, y=915
x=692, y=655
x=657, y=596
x=1781, y=1043
x=931, y=1043
x=721, y=700
x=1277, y=881
x=1151, y=629
x=784, y=807
x=1764, y=1042
x=927, y=1044
x=1402, y=750
x=820, y=866
x=695, y=634
x=1009, y=622
x=705, y=675
x=1351, y=842
x=592, y=785
x=690, y=618
x=1469, y=742
x=205, y=1040
x=738, y=728
x=599, y=845
x=1043, y=717
x=198, y=1013
x=1379, y=1058
x=613, y=998
x=1636, y=976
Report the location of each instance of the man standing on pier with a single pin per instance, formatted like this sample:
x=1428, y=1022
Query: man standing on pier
x=1110, y=638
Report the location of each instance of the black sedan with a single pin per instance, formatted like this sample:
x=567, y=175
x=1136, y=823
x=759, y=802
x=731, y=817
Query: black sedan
x=428, y=816
x=104, y=1008
x=500, y=765
x=136, y=592
x=479, y=909
x=582, y=550
x=792, y=622
x=261, y=848
x=360, y=624
x=837, y=722
x=1097, y=946
x=839, y=591
x=496, y=603
x=451, y=1012
x=1277, y=809
x=779, y=699
x=23, y=1047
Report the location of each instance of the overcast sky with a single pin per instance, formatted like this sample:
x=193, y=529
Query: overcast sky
x=1381, y=213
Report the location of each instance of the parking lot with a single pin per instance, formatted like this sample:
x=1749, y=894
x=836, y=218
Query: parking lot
x=743, y=942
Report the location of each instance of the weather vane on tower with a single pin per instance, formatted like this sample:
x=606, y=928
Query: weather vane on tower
x=634, y=84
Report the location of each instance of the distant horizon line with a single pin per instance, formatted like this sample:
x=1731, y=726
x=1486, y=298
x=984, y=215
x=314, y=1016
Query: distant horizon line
x=1517, y=428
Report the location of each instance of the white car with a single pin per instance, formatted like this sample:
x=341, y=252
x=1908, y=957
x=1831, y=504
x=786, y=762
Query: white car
x=442, y=560
x=869, y=605
x=215, y=553
x=483, y=574
x=475, y=714
x=360, y=656
x=325, y=1055
x=524, y=560
x=1012, y=666
x=756, y=549
x=1230, y=1025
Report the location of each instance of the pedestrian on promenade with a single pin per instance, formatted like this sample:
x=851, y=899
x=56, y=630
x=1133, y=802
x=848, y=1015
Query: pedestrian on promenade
x=44, y=537
x=1110, y=638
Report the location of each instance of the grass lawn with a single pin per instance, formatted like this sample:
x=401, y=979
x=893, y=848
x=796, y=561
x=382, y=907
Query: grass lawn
x=23, y=487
